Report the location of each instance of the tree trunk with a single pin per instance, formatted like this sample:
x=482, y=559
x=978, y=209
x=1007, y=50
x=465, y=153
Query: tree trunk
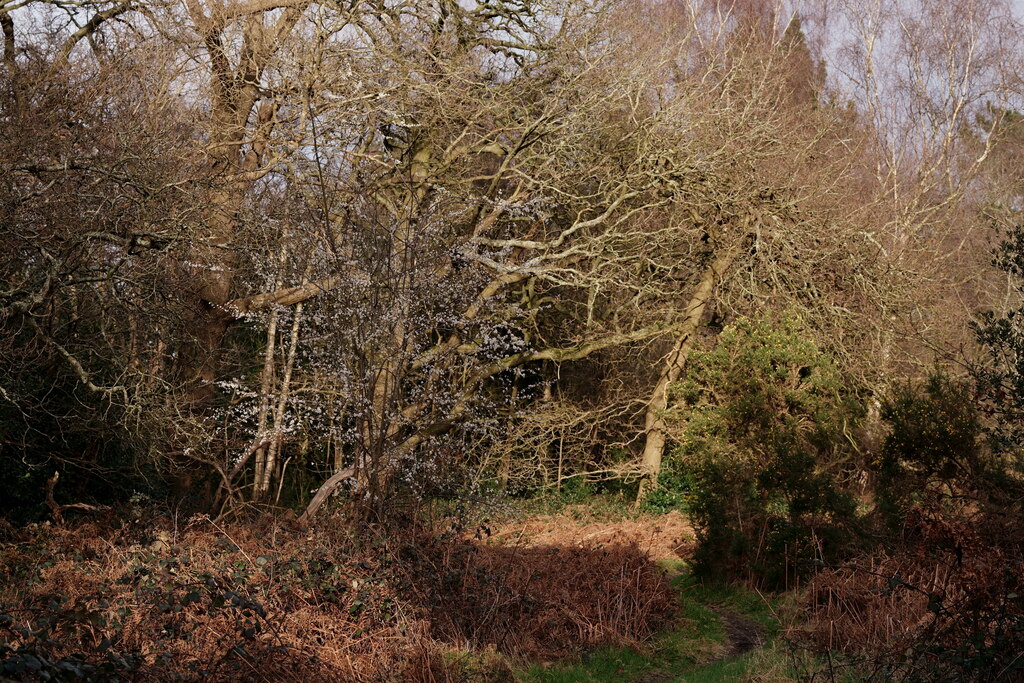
x=654, y=418
x=262, y=485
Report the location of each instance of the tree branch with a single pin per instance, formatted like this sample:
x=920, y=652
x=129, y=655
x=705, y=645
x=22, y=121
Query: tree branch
x=92, y=26
x=289, y=296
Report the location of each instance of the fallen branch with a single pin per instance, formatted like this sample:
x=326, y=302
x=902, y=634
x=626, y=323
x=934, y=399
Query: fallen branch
x=322, y=494
x=58, y=510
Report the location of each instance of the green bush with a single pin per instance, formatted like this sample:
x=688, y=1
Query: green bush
x=672, y=493
x=762, y=426
x=1000, y=378
x=934, y=438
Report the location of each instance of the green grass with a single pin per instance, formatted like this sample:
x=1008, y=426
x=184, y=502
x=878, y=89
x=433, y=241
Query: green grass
x=749, y=603
x=581, y=502
x=722, y=670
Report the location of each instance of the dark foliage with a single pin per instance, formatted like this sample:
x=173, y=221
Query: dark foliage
x=763, y=440
x=933, y=439
x=1001, y=380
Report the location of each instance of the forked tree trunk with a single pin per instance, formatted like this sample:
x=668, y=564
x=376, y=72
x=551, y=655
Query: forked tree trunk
x=240, y=122
x=267, y=376
x=263, y=484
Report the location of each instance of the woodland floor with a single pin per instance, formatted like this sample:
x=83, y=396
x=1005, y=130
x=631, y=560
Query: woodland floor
x=578, y=594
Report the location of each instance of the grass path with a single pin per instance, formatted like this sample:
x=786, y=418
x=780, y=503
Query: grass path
x=721, y=634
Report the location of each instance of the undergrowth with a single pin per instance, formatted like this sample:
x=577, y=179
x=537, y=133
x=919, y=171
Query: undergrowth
x=259, y=600
x=944, y=604
x=699, y=646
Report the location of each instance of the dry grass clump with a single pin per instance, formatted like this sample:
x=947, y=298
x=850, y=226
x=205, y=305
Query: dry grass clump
x=947, y=601
x=262, y=601
x=541, y=601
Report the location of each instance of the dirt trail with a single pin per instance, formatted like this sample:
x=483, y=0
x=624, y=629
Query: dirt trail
x=743, y=633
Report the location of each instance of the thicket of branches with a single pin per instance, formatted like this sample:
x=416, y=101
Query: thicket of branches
x=269, y=251
x=761, y=261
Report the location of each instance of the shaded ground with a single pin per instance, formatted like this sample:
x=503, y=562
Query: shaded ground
x=542, y=600
x=743, y=634
x=585, y=599
x=164, y=599
x=720, y=633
